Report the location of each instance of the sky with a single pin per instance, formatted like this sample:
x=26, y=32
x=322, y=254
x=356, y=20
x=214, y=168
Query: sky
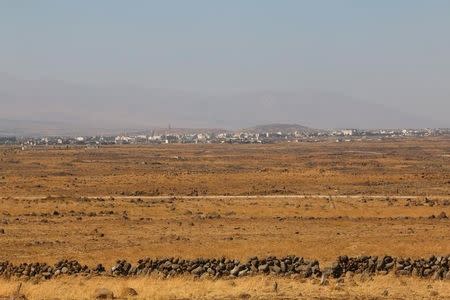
x=389, y=53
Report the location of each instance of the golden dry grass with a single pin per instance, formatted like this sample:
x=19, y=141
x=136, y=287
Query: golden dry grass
x=406, y=167
x=380, y=287
x=103, y=230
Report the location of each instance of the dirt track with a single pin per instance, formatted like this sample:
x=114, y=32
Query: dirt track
x=228, y=197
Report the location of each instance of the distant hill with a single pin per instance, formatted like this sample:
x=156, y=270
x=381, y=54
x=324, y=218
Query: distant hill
x=279, y=127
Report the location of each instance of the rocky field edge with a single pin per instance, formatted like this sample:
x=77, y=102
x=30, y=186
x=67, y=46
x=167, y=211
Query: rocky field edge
x=435, y=267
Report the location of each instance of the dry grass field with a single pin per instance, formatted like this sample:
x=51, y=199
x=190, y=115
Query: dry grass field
x=404, y=167
x=100, y=205
x=260, y=287
x=103, y=230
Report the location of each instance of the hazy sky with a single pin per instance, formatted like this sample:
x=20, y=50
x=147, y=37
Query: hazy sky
x=390, y=52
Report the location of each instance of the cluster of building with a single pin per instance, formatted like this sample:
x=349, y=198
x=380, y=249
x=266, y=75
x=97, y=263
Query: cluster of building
x=240, y=137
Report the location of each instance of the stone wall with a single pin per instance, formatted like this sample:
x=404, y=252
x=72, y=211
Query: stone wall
x=436, y=267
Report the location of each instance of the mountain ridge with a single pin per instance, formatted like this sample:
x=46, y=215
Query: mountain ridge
x=77, y=106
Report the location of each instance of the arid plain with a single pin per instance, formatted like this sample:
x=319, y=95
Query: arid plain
x=316, y=200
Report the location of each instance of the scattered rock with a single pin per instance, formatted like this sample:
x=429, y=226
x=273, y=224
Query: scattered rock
x=127, y=292
x=442, y=215
x=103, y=293
x=434, y=293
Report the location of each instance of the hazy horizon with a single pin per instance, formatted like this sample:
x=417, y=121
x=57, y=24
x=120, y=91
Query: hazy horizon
x=233, y=64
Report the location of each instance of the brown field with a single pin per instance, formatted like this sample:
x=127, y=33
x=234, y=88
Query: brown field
x=404, y=167
x=99, y=205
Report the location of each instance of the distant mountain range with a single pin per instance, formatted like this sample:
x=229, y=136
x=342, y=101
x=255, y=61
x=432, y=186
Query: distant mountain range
x=40, y=128
x=55, y=128
x=56, y=107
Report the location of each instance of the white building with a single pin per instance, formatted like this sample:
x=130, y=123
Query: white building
x=347, y=132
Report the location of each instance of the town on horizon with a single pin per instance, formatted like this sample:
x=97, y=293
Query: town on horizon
x=265, y=134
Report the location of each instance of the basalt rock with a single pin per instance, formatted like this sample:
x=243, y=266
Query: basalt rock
x=435, y=267
x=103, y=293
